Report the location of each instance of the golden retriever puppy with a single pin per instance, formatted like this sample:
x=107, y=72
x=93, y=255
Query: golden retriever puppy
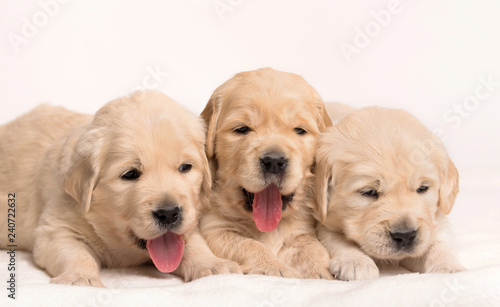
x=384, y=185
x=262, y=131
x=118, y=189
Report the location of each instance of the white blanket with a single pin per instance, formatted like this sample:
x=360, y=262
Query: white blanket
x=476, y=220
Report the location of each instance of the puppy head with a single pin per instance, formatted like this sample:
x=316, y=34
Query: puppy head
x=383, y=179
x=141, y=173
x=262, y=131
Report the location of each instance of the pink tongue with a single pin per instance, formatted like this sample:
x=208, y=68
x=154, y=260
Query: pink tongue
x=166, y=251
x=267, y=208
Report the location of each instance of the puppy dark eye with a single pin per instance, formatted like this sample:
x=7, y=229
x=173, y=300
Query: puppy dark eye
x=422, y=189
x=300, y=131
x=133, y=174
x=370, y=193
x=242, y=130
x=184, y=168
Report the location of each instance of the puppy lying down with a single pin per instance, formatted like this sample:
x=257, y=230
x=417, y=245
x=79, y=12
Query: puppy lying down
x=117, y=189
x=384, y=185
x=263, y=127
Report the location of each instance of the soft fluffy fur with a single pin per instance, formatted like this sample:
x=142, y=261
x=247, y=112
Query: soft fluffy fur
x=272, y=104
x=73, y=208
x=391, y=153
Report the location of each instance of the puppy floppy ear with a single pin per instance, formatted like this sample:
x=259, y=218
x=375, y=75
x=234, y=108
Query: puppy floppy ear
x=211, y=116
x=449, y=186
x=82, y=175
x=206, y=185
x=324, y=120
x=324, y=181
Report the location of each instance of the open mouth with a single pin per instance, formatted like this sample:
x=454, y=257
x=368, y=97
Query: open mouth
x=166, y=250
x=266, y=206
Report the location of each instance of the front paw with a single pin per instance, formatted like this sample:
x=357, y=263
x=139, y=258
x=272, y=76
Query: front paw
x=354, y=268
x=316, y=271
x=444, y=267
x=272, y=269
x=212, y=267
x=76, y=279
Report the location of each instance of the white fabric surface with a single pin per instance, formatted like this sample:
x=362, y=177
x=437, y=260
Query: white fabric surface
x=476, y=221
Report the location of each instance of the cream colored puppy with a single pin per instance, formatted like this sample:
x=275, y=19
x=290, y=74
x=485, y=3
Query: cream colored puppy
x=263, y=127
x=117, y=189
x=384, y=185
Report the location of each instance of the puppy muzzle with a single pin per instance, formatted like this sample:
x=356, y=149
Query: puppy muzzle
x=404, y=240
x=273, y=163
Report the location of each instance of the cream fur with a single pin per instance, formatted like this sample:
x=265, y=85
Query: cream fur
x=391, y=152
x=77, y=214
x=272, y=104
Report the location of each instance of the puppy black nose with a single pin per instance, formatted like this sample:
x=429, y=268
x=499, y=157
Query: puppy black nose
x=404, y=239
x=274, y=163
x=168, y=215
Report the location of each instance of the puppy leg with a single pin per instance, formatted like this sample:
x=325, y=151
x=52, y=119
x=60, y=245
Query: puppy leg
x=65, y=257
x=305, y=253
x=256, y=258
x=253, y=256
x=347, y=262
x=199, y=261
x=438, y=259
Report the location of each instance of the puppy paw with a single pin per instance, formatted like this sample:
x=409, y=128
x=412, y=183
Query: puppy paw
x=355, y=268
x=444, y=267
x=317, y=272
x=214, y=267
x=76, y=279
x=273, y=269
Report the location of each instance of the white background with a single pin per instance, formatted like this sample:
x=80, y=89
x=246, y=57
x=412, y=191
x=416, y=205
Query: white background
x=426, y=57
